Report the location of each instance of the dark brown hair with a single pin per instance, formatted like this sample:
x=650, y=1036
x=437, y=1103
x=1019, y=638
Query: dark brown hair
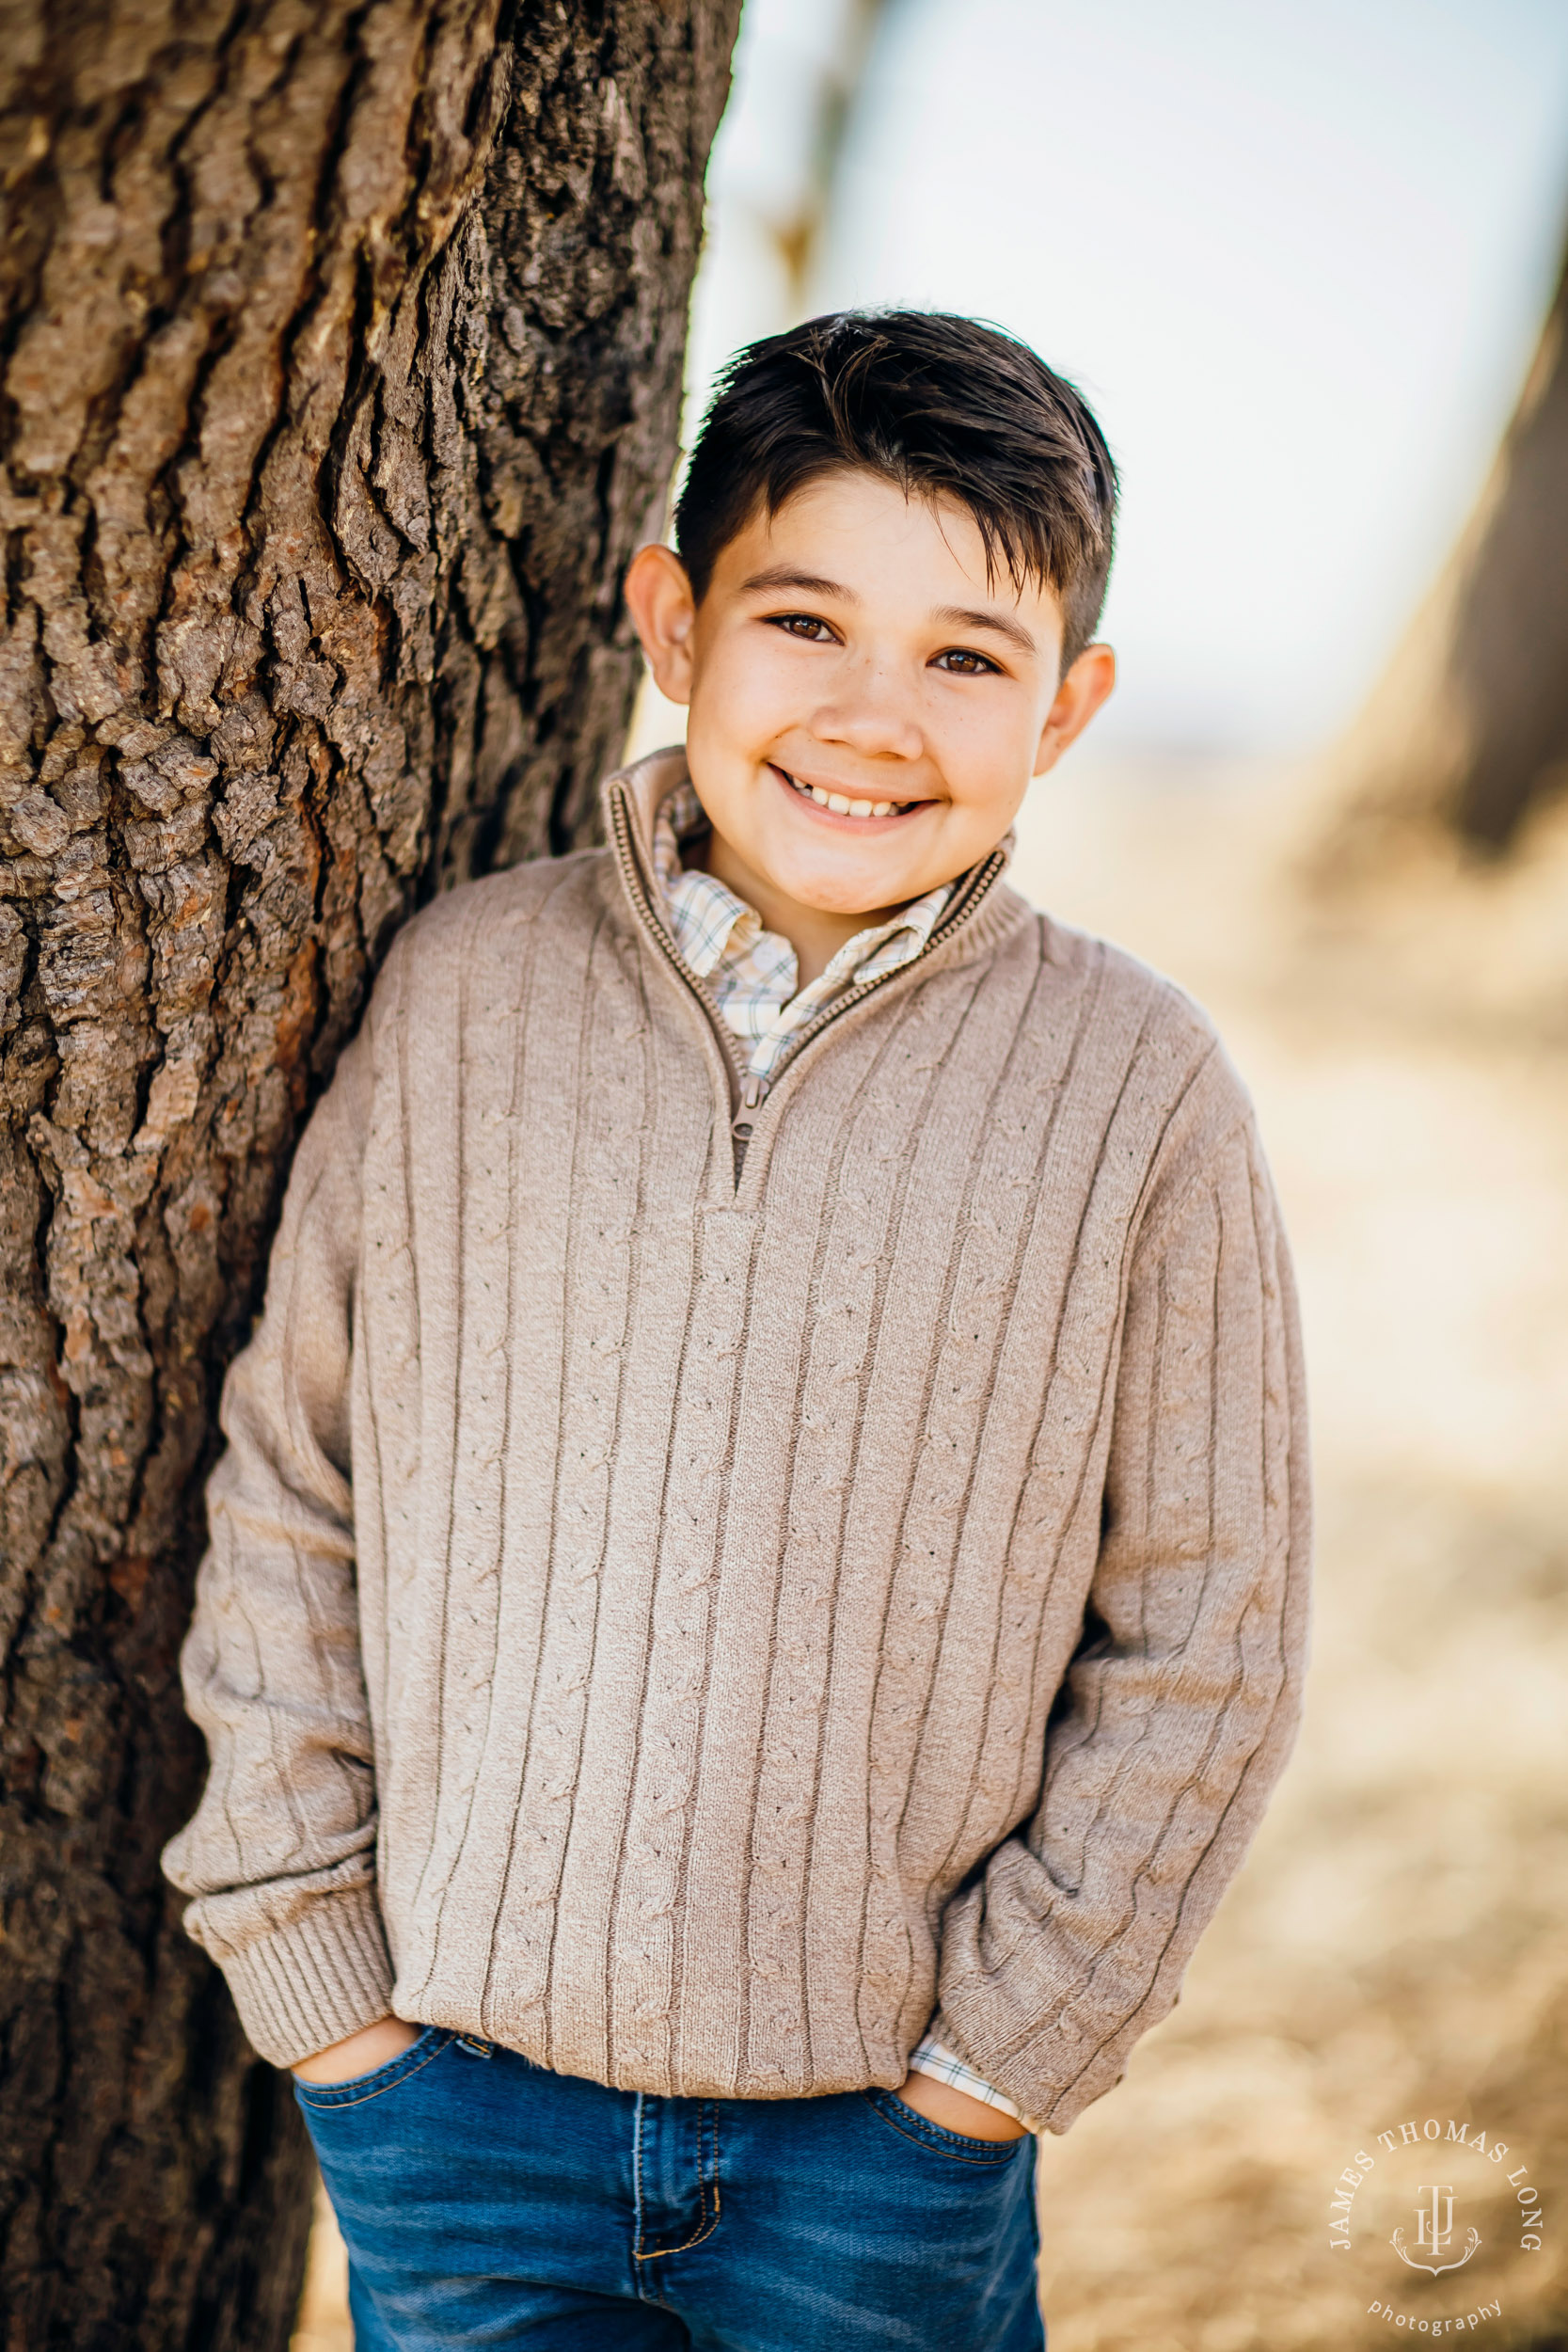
x=943, y=406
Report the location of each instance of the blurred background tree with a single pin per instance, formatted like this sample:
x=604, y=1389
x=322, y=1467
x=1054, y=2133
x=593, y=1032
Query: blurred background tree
x=341, y=355
x=1468, y=730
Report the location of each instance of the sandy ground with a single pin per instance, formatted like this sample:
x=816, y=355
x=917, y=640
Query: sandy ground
x=1395, y=1951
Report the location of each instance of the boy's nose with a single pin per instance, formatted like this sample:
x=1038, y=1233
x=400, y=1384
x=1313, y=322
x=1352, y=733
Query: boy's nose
x=870, y=728
x=870, y=716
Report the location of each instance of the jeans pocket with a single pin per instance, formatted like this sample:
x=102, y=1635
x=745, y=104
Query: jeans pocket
x=957, y=2147
x=320, y=2098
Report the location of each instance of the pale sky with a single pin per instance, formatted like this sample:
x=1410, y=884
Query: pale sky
x=1296, y=253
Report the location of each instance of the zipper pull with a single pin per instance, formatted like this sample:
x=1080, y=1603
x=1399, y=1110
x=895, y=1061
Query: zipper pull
x=753, y=1093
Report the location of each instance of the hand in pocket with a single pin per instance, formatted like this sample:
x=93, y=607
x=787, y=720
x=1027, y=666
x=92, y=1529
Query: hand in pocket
x=372, y=2047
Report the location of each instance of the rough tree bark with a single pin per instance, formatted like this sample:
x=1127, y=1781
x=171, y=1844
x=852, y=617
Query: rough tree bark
x=341, y=355
x=1469, y=731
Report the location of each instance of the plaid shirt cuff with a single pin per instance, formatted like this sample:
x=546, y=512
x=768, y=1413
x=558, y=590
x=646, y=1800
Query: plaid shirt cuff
x=931, y=2058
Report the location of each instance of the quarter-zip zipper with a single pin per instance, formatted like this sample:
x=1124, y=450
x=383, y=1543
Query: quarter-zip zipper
x=748, y=1090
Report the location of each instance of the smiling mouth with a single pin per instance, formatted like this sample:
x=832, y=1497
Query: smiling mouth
x=841, y=804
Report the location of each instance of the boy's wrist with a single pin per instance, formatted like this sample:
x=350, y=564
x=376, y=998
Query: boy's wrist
x=360, y=2054
x=954, y=2110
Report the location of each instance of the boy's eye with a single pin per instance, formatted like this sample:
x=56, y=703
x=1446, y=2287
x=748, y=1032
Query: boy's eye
x=806, y=625
x=962, y=663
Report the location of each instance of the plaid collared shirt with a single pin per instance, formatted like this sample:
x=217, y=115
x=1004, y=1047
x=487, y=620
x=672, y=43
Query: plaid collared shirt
x=753, y=974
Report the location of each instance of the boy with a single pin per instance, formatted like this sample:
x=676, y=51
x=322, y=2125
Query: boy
x=756, y=1591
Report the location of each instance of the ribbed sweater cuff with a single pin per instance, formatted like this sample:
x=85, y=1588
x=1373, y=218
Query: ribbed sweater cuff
x=315, y=1982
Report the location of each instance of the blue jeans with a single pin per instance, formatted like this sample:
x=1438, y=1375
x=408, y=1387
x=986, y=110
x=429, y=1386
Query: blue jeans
x=488, y=2201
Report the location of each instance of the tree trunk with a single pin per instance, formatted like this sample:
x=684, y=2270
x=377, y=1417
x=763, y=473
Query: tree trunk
x=342, y=350
x=1469, y=729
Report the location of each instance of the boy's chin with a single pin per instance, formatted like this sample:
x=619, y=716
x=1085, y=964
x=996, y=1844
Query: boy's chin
x=849, y=895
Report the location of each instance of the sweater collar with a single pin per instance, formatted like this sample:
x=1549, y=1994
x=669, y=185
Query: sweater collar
x=637, y=793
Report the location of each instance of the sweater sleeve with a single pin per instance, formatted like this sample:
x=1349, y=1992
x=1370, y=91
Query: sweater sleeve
x=280, y=1855
x=1181, y=1707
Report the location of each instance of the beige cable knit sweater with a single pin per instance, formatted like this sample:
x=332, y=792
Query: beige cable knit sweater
x=689, y=1626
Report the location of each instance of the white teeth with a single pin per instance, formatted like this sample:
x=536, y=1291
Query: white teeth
x=839, y=802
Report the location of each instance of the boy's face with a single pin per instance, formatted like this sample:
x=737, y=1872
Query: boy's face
x=851, y=650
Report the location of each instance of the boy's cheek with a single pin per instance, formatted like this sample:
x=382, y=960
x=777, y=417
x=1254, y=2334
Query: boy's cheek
x=721, y=770
x=743, y=728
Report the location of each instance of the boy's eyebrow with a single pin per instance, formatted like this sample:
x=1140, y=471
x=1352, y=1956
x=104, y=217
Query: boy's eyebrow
x=961, y=616
x=804, y=583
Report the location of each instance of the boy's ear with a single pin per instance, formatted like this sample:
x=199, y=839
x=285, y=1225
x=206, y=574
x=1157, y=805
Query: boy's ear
x=664, y=614
x=1087, y=685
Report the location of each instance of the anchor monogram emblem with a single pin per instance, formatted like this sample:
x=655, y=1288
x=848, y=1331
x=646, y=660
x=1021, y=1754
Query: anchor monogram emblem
x=1434, y=2235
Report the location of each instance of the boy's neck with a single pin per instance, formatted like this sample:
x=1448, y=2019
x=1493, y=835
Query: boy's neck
x=816, y=933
